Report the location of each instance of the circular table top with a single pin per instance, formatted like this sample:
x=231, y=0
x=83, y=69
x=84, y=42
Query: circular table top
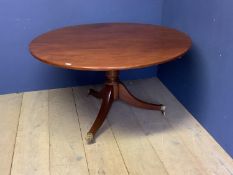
x=111, y=46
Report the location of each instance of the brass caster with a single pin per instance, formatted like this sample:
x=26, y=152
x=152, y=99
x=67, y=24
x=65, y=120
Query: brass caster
x=89, y=138
x=163, y=108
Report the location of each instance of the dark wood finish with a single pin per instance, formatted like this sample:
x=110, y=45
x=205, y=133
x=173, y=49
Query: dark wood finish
x=127, y=97
x=115, y=90
x=103, y=47
x=107, y=99
x=110, y=48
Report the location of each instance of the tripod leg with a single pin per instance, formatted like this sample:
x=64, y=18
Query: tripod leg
x=104, y=109
x=127, y=97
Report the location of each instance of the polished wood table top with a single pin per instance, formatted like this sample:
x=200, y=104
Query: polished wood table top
x=112, y=46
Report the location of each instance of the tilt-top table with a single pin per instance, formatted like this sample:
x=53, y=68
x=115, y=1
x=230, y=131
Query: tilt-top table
x=111, y=47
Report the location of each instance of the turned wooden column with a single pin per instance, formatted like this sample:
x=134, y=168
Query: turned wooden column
x=113, y=80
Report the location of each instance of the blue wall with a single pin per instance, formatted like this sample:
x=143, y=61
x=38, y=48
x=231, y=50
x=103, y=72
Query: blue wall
x=21, y=21
x=203, y=80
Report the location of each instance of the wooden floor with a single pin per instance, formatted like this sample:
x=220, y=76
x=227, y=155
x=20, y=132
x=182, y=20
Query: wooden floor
x=42, y=133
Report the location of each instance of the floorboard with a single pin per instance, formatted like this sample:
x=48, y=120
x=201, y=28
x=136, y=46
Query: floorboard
x=42, y=133
x=67, y=154
x=10, y=106
x=31, y=155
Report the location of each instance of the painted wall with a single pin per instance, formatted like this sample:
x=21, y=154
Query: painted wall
x=203, y=79
x=21, y=21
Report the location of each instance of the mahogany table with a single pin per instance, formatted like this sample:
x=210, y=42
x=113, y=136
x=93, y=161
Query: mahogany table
x=110, y=47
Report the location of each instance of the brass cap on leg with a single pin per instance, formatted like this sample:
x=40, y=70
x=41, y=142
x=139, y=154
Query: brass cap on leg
x=163, y=108
x=89, y=138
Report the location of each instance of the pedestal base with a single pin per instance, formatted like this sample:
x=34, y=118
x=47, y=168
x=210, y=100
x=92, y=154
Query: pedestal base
x=115, y=90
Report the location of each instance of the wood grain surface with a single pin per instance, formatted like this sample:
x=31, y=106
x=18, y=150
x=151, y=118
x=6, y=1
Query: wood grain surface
x=110, y=46
x=41, y=134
